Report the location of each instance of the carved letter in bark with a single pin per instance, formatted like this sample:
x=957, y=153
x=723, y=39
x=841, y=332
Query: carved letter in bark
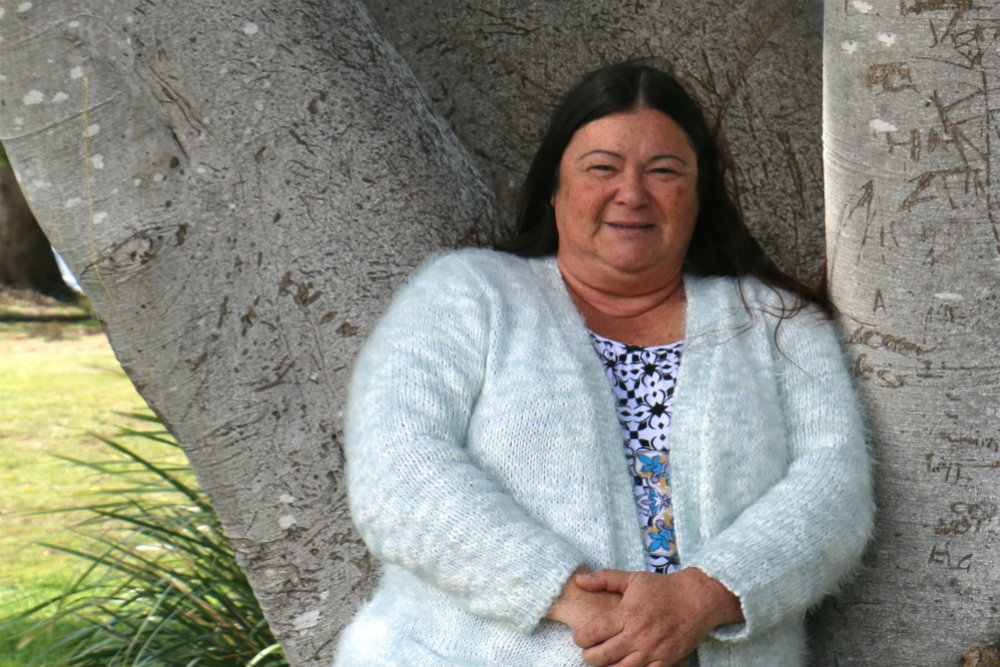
x=913, y=236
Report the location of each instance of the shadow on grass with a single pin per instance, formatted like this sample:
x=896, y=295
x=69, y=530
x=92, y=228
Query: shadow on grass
x=22, y=640
x=47, y=317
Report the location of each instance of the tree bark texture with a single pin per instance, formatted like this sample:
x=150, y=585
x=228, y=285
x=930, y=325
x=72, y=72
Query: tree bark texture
x=240, y=184
x=26, y=259
x=913, y=236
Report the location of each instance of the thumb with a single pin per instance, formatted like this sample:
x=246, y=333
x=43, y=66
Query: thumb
x=604, y=580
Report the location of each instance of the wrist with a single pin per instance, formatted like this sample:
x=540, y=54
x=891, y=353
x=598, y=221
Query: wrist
x=575, y=607
x=562, y=609
x=722, y=606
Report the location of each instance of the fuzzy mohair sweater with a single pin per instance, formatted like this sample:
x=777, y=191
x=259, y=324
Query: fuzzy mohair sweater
x=485, y=464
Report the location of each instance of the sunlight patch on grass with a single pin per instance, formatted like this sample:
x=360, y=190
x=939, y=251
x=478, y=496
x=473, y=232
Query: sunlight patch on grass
x=59, y=383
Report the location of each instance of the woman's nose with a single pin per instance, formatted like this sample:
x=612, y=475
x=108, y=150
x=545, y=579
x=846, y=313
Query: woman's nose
x=632, y=190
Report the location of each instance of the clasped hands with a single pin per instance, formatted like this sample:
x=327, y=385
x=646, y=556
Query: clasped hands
x=642, y=619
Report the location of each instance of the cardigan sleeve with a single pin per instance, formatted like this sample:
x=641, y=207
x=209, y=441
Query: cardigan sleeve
x=798, y=541
x=416, y=496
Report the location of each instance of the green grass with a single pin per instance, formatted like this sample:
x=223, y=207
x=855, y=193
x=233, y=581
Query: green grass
x=164, y=588
x=138, y=571
x=53, y=394
x=59, y=384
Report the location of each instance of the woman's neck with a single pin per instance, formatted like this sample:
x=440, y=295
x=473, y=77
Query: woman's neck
x=636, y=317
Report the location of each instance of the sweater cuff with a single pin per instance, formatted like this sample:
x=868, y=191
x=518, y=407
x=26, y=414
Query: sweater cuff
x=531, y=597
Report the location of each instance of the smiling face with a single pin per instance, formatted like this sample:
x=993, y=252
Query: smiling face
x=626, y=201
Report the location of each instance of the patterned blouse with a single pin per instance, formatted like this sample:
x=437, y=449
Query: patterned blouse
x=643, y=380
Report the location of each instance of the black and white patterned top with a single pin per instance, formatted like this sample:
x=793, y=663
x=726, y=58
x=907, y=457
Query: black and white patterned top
x=643, y=380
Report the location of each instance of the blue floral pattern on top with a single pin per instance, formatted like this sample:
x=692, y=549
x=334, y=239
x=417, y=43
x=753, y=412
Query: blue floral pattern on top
x=643, y=380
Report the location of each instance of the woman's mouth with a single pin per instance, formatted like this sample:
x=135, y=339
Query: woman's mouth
x=630, y=225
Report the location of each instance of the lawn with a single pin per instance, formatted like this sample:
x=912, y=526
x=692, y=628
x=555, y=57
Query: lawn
x=59, y=384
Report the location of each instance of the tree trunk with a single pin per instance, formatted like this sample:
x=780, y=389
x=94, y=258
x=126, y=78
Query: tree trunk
x=240, y=184
x=914, y=249
x=26, y=259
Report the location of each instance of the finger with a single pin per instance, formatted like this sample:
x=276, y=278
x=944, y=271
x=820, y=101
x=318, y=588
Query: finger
x=611, y=652
x=598, y=630
x=603, y=580
x=634, y=659
x=639, y=659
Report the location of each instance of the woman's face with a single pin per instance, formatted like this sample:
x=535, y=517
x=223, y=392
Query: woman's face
x=626, y=201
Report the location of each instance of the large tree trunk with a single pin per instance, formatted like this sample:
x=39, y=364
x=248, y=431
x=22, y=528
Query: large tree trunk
x=914, y=249
x=240, y=184
x=26, y=259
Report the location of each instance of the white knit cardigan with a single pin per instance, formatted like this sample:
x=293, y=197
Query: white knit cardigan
x=485, y=463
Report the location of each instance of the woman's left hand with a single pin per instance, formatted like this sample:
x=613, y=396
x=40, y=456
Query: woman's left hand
x=660, y=620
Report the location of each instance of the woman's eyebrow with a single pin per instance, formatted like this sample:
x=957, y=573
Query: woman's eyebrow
x=668, y=156
x=599, y=151
x=612, y=154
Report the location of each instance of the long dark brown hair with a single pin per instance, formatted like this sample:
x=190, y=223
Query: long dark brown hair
x=721, y=243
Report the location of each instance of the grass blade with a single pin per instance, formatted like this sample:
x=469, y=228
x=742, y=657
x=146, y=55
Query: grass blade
x=160, y=584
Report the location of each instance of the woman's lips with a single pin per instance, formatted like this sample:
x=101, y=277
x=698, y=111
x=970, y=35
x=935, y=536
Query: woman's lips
x=630, y=225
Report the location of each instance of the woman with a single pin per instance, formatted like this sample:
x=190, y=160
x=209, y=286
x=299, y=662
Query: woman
x=484, y=439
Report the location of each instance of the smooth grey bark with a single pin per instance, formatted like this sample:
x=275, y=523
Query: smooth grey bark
x=913, y=236
x=240, y=184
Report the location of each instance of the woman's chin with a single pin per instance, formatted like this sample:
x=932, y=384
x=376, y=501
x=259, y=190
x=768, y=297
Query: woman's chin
x=636, y=256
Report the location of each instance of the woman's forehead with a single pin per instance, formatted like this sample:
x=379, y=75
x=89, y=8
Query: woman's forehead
x=647, y=131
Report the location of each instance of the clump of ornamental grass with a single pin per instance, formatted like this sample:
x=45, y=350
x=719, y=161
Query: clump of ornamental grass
x=158, y=583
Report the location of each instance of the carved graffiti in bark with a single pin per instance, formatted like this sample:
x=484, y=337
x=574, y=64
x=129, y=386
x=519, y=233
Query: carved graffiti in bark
x=914, y=253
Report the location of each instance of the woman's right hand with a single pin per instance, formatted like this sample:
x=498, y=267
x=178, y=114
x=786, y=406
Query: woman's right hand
x=576, y=607
x=660, y=619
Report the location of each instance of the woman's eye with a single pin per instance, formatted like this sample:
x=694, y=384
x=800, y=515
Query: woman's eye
x=664, y=170
x=602, y=167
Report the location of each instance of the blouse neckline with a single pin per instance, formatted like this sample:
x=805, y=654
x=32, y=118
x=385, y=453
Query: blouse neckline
x=676, y=345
